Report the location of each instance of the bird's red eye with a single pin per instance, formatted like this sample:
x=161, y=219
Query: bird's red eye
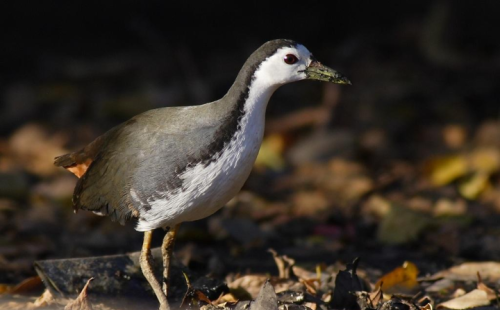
x=290, y=59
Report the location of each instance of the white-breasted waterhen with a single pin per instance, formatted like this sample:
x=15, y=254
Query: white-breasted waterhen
x=176, y=164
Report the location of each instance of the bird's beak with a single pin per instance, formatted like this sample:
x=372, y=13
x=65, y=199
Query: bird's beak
x=320, y=72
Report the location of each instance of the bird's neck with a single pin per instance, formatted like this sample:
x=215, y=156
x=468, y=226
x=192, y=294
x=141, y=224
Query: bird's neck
x=251, y=91
x=259, y=94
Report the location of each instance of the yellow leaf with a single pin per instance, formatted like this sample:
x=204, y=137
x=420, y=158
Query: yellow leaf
x=446, y=169
x=401, y=278
x=271, y=153
x=475, y=185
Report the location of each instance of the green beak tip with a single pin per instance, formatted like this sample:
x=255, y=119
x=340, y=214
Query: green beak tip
x=320, y=72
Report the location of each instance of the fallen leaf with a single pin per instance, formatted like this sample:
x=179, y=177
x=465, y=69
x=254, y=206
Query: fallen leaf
x=81, y=302
x=473, y=186
x=247, y=287
x=271, y=153
x=454, y=135
x=401, y=225
x=444, y=170
x=5, y=288
x=44, y=300
x=486, y=160
x=35, y=148
x=491, y=293
x=440, y=286
x=266, y=299
x=459, y=292
x=284, y=264
x=447, y=207
x=27, y=286
x=376, y=206
x=488, y=134
x=376, y=296
x=475, y=298
x=226, y=298
x=309, y=203
x=490, y=271
x=402, y=278
x=304, y=274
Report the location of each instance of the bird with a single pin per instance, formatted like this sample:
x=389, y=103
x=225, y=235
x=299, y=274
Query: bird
x=171, y=165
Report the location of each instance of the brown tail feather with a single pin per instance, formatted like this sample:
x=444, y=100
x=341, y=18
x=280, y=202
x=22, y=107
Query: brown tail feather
x=70, y=162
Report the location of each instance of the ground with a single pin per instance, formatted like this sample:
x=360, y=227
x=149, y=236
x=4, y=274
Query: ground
x=400, y=170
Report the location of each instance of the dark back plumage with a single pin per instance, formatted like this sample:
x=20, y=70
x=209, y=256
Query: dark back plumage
x=150, y=151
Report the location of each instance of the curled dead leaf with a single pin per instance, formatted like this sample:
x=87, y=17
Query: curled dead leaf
x=491, y=293
x=284, y=264
x=46, y=299
x=81, y=302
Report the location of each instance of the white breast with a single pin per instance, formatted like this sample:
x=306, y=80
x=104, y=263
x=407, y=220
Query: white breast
x=209, y=188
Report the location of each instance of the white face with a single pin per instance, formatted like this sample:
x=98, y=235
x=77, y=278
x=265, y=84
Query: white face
x=285, y=66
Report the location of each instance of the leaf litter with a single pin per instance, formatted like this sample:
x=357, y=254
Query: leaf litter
x=388, y=189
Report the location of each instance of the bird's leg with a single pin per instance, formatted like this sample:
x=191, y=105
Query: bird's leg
x=166, y=253
x=147, y=270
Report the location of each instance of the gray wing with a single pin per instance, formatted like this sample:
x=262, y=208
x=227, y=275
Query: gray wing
x=145, y=155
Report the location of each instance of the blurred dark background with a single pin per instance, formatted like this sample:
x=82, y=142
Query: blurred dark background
x=71, y=70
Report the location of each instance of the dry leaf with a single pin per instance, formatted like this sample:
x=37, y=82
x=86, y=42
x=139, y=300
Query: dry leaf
x=81, y=302
x=489, y=271
x=488, y=134
x=34, y=147
x=27, y=286
x=470, y=188
x=445, y=207
x=247, y=286
x=475, y=298
x=459, y=292
x=491, y=293
x=444, y=170
x=401, y=225
x=226, y=298
x=377, y=295
x=271, y=153
x=44, y=300
x=266, y=299
x=5, y=288
x=377, y=206
x=454, y=136
x=427, y=307
x=304, y=274
x=284, y=264
x=440, y=286
x=402, y=278
x=485, y=160
x=309, y=203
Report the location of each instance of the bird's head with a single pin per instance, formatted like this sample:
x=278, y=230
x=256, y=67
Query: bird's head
x=285, y=61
